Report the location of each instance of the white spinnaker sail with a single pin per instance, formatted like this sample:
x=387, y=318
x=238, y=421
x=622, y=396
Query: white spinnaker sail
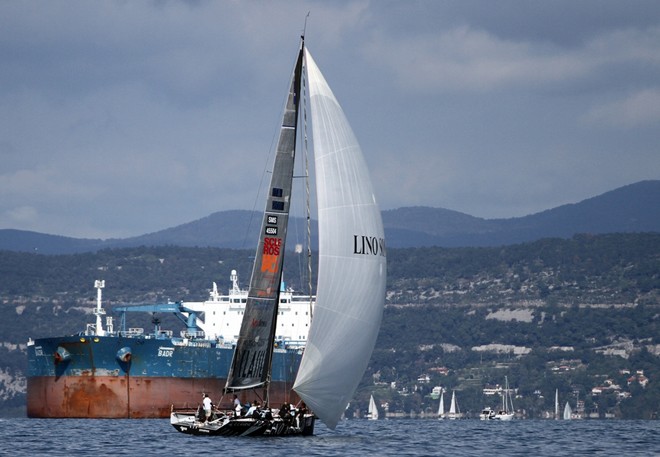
x=352, y=265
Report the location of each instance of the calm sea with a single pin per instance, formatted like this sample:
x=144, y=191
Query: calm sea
x=399, y=437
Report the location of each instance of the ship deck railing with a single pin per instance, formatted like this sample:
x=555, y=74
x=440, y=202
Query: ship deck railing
x=191, y=334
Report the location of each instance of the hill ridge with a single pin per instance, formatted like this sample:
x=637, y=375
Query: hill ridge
x=628, y=209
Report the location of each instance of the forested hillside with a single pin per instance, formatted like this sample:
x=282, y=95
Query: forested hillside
x=573, y=315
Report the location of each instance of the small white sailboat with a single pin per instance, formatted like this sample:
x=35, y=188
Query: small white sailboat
x=556, y=404
x=441, y=407
x=454, y=410
x=373, y=409
x=574, y=414
x=506, y=413
x=352, y=270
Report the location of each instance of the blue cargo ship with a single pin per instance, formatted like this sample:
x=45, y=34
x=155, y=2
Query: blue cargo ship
x=128, y=373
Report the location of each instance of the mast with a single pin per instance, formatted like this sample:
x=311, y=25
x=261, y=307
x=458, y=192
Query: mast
x=251, y=364
x=507, y=401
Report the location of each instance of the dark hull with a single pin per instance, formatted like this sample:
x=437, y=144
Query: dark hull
x=91, y=382
x=241, y=426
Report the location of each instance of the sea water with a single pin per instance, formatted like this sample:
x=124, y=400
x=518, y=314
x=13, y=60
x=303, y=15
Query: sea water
x=398, y=437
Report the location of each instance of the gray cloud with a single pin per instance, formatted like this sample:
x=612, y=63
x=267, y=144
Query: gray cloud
x=120, y=118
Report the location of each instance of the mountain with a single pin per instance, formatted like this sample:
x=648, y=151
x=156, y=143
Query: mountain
x=27, y=241
x=632, y=208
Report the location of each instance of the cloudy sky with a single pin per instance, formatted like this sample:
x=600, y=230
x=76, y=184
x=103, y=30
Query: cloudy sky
x=119, y=118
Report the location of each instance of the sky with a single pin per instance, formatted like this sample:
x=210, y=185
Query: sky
x=120, y=118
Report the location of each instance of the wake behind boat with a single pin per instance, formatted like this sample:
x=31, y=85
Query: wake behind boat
x=350, y=290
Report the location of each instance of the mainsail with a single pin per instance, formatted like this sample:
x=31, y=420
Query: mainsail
x=352, y=265
x=252, y=358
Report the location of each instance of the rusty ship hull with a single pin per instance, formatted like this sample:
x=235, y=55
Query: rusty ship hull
x=136, y=377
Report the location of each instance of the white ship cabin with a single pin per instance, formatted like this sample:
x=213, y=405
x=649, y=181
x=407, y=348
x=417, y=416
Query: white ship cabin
x=223, y=314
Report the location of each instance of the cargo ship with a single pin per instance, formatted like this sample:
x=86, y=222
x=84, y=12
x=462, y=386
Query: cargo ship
x=129, y=373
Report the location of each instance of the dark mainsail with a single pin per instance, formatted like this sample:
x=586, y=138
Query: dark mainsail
x=252, y=358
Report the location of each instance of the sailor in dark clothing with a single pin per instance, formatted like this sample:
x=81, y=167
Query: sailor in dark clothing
x=285, y=414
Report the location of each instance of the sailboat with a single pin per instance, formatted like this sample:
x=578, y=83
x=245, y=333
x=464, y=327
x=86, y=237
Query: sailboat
x=454, y=410
x=352, y=269
x=556, y=404
x=373, y=409
x=568, y=412
x=441, y=407
x=506, y=412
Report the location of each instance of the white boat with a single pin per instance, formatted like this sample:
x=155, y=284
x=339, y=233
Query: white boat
x=574, y=414
x=487, y=414
x=373, y=409
x=556, y=404
x=454, y=410
x=352, y=269
x=568, y=412
x=441, y=407
x=506, y=413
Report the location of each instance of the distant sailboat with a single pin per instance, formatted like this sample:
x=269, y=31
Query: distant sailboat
x=441, y=408
x=568, y=412
x=454, y=410
x=506, y=413
x=373, y=409
x=556, y=404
